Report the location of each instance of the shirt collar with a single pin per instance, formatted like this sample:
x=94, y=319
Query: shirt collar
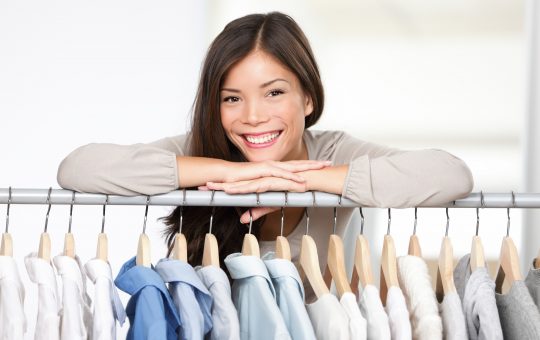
x=244, y=266
x=210, y=275
x=172, y=270
x=41, y=272
x=281, y=268
x=9, y=271
x=71, y=268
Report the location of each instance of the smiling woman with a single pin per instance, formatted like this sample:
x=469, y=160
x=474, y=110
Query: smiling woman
x=260, y=91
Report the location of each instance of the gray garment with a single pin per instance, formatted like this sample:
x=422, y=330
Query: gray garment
x=533, y=284
x=377, y=176
x=520, y=318
x=477, y=292
x=454, y=327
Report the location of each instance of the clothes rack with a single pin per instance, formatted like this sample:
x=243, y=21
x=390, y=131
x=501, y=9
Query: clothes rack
x=268, y=199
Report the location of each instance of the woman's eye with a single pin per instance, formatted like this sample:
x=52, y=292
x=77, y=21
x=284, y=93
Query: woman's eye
x=231, y=99
x=274, y=93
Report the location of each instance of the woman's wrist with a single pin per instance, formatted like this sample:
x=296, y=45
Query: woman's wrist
x=329, y=179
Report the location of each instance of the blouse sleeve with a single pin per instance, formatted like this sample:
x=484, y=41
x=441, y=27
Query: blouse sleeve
x=142, y=168
x=387, y=177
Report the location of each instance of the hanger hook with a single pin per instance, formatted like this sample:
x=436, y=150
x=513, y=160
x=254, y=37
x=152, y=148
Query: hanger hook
x=415, y=219
x=361, y=221
x=283, y=214
x=482, y=205
x=250, y=221
x=182, y=210
x=508, y=213
x=447, y=223
x=335, y=214
x=71, y=211
x=213, y=211
x=145, y=214
x=103, y=218
x=389, y=222
x=48, y=210
x=7, y=213
x=258, y=200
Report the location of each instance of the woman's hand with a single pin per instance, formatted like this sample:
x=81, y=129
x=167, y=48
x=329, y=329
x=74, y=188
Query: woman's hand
x=245, y=171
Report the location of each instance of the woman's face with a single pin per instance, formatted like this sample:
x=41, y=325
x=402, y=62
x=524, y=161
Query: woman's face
x=262, y=109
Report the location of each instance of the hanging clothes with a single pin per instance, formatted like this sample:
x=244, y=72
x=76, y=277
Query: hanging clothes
x=533, y=284
x=255, y=299
x=398, y=315
x=191, y=298
x=415, y=283
x=477, y=292
x=12, y=318
x=76, y=317
x=107, y=305
x=519, y=315
x=151, y=311
x=451, y=310
x=290, y=296
x=371, y=307
x=42, y=273
x=329, y=320
x=357, y=323
x=225, y=324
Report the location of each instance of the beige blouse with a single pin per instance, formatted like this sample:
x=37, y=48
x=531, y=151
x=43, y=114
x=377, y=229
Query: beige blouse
x=378, y=176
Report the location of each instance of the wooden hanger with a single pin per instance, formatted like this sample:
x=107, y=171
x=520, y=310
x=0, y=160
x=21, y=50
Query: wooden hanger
x=180, y=245
x=309, y=261
x=250, y=246
x=44, y=251
x=144, y=257
x=477, y=258
x=102, y=249
x=509, y=269
x=445, y=268
x=336, y=262
x=362, y=271
x=69, y=240
x=414, y=243
x=6, y=247
x=283, y=250
x=388, y=277
x=537, y=261
x=211, y=249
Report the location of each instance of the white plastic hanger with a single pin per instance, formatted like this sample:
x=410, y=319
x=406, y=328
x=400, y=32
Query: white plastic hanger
x=102, y=250
x=6, y=248
x=211, y=249
x=388, y=277
x=144, y=257
x=69, y=240
x=445, y=269
x=309, y=261
x=179, y=251
x=362, y=271
x=44, y=251
x=509, y=270
x=283, y=250
x=414, y=243
x=335, y=265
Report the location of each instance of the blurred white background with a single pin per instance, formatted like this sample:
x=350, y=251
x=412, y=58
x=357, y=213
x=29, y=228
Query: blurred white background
x=416, y=74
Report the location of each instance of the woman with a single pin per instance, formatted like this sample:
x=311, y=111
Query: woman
x=259, y=92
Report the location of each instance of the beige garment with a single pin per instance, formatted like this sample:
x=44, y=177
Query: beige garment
x=378, y=176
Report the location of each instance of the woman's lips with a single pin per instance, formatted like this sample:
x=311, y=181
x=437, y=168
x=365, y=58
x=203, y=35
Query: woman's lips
x=261, y=140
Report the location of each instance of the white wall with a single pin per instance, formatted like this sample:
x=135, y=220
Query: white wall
x=411, y=75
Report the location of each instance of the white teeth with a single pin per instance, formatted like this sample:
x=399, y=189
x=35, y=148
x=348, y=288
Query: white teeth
x=263, y=139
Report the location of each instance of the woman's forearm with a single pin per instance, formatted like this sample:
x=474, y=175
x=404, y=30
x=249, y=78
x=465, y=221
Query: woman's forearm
x=330, y=179
x=196, y=171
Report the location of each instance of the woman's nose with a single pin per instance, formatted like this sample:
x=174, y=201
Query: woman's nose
x=255, y=114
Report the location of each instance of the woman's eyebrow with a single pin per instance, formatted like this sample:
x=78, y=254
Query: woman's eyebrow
x=272, y=81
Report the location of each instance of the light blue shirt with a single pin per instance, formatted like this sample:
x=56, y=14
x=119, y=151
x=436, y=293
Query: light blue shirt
x=290, y=296
x=151, y=311
x=193, y=301
x=255, y=299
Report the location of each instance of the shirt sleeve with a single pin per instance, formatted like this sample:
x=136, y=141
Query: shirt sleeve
x=381, y=176
x=128, y=170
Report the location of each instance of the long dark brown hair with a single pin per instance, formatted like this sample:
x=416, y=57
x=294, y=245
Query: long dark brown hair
x=278, y=35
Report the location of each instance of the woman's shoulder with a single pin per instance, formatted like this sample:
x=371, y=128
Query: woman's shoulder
x=322, y=144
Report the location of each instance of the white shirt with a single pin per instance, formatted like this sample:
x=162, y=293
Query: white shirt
x=225, y=325
x=328, y=318
x=107, y=305
x=41, y=272
x=357, y=323
x=372, y=308
x=75, y=318
x=12, y=318
x=398, y=316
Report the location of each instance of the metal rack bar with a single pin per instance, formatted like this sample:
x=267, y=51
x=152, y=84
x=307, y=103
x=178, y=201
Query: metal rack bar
x=268, y=199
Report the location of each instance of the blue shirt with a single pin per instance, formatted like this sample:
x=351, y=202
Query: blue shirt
x=193, y=301
x=255, y=299
x=289, y=296
x=150, y=309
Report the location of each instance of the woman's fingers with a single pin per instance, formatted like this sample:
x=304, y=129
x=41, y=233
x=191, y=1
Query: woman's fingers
x=258, y=185
x=286, y=170
x=257, y=213
x=298, y=166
